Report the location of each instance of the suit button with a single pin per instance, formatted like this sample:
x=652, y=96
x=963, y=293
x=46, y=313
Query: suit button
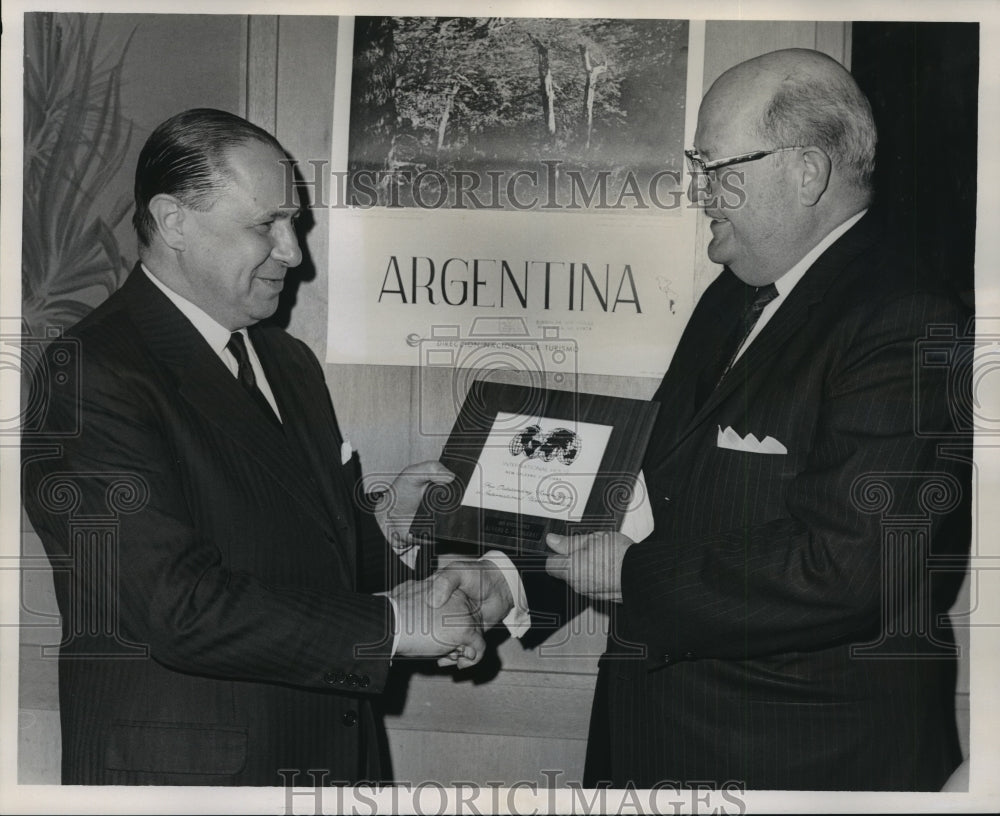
x=330, y=678
x=350, y=718
x=689, y=655
x=365, y=681
x=666, y=658
x=353, y=680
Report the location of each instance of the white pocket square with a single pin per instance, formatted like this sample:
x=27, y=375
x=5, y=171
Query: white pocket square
x=730, y=440
x=346, y=452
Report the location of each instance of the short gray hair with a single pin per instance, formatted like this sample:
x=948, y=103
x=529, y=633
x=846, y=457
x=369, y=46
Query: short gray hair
x=829, y=112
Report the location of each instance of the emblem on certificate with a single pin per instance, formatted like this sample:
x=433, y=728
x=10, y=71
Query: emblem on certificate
x=532, y=461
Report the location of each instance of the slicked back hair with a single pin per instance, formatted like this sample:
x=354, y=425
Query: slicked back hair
x=186, y=157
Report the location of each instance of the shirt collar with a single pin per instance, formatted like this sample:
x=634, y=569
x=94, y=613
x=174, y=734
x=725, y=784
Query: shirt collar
x=786, y=282
x=215, y=334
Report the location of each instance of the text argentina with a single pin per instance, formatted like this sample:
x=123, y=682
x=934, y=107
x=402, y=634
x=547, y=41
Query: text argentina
x=491, y=283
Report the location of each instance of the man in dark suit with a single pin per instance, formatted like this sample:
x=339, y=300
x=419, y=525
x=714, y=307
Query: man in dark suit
x=197, y=502
x=781, y=627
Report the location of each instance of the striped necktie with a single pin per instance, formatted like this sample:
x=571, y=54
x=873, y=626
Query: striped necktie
x=237, y=347
x=713, y=373
x=765, y=294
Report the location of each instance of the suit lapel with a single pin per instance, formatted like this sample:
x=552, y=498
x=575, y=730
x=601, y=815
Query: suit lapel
x=700, y=349
x=309, y=430
x=205, y=382
x=790, y=317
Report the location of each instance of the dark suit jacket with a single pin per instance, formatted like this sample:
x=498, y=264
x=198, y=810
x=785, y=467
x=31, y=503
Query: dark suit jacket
x=206, y=563
x=782, y=627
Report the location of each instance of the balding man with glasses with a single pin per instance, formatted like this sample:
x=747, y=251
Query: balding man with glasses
x=780, y=627
x=793, y=639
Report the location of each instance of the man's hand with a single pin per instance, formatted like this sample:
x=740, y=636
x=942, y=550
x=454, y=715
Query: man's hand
x=591, y=564
x=481, y=582
x=396, y=509
x=451, y=628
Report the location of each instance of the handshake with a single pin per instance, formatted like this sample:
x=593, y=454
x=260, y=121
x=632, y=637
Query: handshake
x=445, y=615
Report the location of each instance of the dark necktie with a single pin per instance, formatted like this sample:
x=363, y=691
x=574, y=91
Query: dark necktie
x=712, y=376
x=237, y=347
x=765, y=295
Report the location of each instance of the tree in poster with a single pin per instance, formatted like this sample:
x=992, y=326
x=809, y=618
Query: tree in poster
x=374, y=120
x=450, y=93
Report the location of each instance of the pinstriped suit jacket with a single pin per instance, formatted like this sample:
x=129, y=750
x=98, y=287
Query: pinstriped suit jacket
x=210, y=628
x=782, y=627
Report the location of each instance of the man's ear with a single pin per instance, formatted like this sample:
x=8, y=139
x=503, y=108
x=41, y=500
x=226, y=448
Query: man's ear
x=168, y=214
x=815, y=176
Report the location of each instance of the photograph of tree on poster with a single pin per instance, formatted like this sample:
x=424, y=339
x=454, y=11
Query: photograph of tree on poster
x=593, y=106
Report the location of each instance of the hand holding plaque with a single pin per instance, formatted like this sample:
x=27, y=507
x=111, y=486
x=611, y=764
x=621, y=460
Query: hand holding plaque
x=533, y=461
x=397, y=507
x=591, y=564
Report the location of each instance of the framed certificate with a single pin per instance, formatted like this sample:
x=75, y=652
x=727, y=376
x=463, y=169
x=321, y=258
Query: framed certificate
x=532, y=461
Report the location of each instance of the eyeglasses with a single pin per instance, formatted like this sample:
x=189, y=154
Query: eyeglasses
x=699, y=165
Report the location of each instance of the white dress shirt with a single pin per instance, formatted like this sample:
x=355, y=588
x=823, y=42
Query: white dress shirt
x=217, y=337
x=787, y=282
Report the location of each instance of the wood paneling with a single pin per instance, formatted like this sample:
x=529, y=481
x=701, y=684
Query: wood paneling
x=307, y=50
x=174, y=62
x=484, y=759
x=262, y=71
x=39, y=746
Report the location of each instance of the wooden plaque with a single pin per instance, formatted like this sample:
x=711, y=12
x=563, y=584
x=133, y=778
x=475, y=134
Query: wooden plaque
x=532, y=461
